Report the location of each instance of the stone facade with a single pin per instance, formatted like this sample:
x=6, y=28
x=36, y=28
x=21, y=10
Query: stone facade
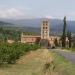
x=52, y=39
x=29, y=39
x=45, y=30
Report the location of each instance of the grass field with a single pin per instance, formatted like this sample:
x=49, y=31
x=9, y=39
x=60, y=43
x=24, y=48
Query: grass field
x=40, y=62
x=63, y=67
x=70, y=49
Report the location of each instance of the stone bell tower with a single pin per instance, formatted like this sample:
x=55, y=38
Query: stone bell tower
x=45, y=30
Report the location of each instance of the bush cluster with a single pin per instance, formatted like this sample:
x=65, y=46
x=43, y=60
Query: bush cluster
x=9, y=53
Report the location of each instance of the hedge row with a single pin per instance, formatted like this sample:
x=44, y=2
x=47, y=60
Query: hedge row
x=9, y=53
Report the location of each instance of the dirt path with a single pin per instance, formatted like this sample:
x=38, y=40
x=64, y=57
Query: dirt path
x=39, y=55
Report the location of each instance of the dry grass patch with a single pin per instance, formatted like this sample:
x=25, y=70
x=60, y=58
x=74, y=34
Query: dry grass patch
x=40, y=55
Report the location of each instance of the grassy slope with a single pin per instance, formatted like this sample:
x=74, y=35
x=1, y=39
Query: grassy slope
x=63, y=67
x=34, y=62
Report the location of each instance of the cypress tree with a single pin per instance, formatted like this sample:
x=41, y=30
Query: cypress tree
x=69, y=38
x=64, y=33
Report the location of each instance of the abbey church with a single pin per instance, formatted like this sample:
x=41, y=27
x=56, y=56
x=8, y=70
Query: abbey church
x=44, y=38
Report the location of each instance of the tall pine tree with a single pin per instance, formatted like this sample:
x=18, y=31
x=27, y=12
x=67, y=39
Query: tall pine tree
x=69, y=38
x=64, y=33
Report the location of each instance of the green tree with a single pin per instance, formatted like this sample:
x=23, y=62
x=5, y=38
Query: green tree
x=64, y=33
x=1, y=30
x=69, y=38
x=9, y=53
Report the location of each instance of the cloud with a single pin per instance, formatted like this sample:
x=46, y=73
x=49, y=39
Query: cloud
x=49, y=17
x=52, y=17
x=70, y=15
x=11, y=13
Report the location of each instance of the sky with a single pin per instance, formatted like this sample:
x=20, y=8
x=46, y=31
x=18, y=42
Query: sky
x=25, y=9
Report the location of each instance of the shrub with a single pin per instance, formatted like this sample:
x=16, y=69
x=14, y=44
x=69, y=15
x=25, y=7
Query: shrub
x=9, y=53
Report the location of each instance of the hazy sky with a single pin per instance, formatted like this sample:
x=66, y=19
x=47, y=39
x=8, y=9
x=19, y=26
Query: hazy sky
x=18, y=9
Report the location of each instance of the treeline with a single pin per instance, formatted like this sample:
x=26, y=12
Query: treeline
x=12, y=33
x=9, y=53
x=9, y=34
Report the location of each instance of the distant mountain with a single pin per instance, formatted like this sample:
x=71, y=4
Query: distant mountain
x=5, y=24
x=56, y=25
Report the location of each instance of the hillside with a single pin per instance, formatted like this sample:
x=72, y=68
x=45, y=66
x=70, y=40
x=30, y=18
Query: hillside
x=33, y=25
x=5, y=24
x=55, y=24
